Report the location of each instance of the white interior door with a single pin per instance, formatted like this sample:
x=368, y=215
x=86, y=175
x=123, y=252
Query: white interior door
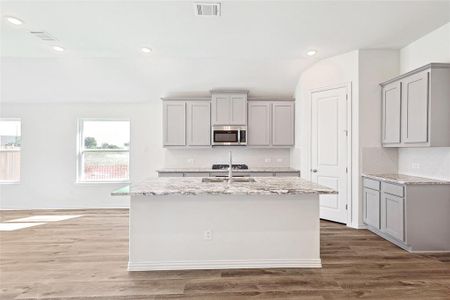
x=329, y=150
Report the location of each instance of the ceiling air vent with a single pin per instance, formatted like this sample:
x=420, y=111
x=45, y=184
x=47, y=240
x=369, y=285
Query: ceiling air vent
x=43, y=35
x=207, y=9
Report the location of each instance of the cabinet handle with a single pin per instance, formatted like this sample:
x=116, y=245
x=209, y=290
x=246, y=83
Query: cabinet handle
x=314, y=170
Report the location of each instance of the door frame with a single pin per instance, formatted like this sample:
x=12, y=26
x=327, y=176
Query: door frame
x=348, y=87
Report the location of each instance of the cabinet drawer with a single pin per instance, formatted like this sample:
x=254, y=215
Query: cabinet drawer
x=286, y=174
x=196, y=174
x=170, y=174
x=392, y=189
x=371, y=184
x=262, y=174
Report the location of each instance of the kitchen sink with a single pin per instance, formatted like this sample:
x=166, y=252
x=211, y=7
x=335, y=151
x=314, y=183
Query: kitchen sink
x=225, y=179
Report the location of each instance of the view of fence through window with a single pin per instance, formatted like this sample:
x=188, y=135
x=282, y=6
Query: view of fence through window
x=104, y=154
x=10, y=142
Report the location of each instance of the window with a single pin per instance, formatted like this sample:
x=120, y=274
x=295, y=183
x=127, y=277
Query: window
x=10, y=142
x=104, y=150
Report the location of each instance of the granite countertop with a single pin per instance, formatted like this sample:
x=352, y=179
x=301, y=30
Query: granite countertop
x=194, y=186
x=209, y=170
x=405, y=179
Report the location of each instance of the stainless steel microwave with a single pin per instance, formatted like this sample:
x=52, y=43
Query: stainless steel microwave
x=229, y=135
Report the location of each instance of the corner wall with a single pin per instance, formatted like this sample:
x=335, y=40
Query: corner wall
x=426, y=162
x=333, y=71
x=364, y=70
x=48, y=155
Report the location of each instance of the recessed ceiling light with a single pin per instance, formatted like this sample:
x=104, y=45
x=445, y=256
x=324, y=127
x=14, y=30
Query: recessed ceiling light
x=58, y=48
x=14, y=20
x=146, y=50
x=311, y=52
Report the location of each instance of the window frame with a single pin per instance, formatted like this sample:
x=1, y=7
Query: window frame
x=15, y=150
x=81, y=150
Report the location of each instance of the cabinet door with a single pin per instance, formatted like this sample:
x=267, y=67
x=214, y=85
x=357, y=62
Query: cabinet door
x=283, y=124
x=415, y=108
x=259, y=123
x=221, y=110
x=199, y=123
x=238, y=109
x=391, y=113
x=371, y=214
x=174, y=123
x=392, y=216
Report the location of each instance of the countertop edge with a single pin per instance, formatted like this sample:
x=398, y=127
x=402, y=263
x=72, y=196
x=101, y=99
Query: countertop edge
x=428, y=181
x=268, y=170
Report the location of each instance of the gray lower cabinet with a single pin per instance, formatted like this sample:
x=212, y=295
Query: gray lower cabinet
x=412, y=216
x=236, y=174
x=392, y=216
x=415, y=108
x=371, y=214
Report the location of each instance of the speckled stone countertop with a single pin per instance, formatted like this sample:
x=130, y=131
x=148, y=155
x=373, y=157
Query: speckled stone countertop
x=195, y=186
x=404, y=179
x=209, y=170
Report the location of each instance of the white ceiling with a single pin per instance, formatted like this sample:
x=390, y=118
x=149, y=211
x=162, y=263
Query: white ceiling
x=259, y=46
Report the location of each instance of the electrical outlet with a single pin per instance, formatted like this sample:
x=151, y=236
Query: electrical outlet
x=190, y=161
x=415, y=165
x=267, y=160
x=279, y=160
x=207, y=235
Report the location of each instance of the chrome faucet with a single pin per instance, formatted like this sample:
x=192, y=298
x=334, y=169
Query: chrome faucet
x=230, y=168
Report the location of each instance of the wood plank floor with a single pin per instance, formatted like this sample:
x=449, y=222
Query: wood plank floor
x=86, y=258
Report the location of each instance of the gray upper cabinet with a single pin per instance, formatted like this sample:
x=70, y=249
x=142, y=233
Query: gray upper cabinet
x=221, y=110
x=186, y=123
x=238, y=109
x=283, y=123
x=229, y=108
x=391, y=113
x=198, y=121
x=416, y=107
x=174, y=123
x=259, y=123
x=271, y=123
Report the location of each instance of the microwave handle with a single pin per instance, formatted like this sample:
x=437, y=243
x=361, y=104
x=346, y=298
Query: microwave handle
x=242, y=136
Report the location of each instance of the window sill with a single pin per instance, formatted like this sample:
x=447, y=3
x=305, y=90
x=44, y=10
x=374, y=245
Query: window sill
x=82, y=182
x=9, y=182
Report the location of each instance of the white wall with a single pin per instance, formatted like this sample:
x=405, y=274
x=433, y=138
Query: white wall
x=427, y=162
x=337, y=70
x=433, y=47
x=375, y=66
x=364, y=70
x=48, y=164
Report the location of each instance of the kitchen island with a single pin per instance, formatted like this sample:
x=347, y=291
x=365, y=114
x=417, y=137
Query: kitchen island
x=185, y=223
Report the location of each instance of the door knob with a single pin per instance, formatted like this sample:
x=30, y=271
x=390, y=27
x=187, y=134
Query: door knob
x=314, y=170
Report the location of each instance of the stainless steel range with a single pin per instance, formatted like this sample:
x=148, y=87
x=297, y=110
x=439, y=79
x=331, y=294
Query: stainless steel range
x=226, y=167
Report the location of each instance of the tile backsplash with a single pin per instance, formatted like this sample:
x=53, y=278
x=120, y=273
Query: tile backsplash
x=253, y=157
x=425, y=162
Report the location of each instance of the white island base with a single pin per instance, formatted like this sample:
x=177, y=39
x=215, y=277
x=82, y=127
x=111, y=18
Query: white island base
x=177, y=232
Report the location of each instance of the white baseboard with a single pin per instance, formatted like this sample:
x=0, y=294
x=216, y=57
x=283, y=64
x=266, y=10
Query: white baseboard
x=224, y=264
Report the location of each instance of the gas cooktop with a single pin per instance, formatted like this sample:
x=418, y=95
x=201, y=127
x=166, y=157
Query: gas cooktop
x=233, y=167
